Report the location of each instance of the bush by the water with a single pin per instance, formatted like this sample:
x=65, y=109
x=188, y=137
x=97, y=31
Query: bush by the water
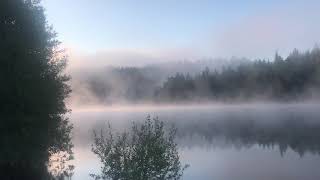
x=148, y=151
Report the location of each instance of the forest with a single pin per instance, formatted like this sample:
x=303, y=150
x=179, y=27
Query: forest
x=294, y=78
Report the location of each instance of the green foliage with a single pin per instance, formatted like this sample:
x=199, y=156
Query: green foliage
x=33, y=89
x=146, y=152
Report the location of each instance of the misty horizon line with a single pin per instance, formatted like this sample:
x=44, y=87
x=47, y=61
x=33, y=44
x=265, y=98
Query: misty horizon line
x=123, y=59
x=294, y=78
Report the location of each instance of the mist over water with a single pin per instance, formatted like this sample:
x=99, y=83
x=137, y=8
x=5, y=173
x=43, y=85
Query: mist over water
x=239, y=119
x=231, y=89
x=244, y=141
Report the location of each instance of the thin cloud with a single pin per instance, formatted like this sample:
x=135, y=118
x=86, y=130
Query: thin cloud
x=280, y=29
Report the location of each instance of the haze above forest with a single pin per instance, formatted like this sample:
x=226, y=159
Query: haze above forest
x=294, y=78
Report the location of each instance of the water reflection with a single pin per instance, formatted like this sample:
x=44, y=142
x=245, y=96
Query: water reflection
x=222, y=142
x=297, y=134
x=292, y=126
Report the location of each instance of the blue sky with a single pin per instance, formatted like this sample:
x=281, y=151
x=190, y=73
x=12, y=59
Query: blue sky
x=207, y=27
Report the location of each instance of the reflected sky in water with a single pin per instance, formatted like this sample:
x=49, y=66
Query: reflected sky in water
x=221, y=142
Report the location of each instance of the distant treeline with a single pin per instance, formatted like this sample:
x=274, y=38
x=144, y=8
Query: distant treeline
x=297, y=76
x=293, y=78
x=136, y=84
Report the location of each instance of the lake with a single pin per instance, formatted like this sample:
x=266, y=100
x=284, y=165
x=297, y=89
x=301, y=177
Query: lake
x=225, y=142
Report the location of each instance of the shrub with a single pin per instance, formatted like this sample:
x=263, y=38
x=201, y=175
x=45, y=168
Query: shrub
x=148, y=151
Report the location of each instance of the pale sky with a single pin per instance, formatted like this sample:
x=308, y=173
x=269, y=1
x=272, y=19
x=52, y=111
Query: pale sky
x=185, y=28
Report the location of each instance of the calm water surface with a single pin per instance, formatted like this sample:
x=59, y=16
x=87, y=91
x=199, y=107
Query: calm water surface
x=226, y=142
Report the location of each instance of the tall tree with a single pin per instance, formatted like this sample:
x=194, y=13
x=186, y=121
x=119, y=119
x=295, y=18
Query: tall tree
x=33, y=124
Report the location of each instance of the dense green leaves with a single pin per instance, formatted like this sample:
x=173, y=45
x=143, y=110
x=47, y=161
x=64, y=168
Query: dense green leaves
x=146, y=152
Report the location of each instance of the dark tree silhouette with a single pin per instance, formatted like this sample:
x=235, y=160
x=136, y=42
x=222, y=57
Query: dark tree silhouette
x=33, y=89
x=294, y=78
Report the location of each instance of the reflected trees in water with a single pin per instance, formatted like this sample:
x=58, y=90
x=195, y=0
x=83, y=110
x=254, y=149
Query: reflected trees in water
x=298, y=135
